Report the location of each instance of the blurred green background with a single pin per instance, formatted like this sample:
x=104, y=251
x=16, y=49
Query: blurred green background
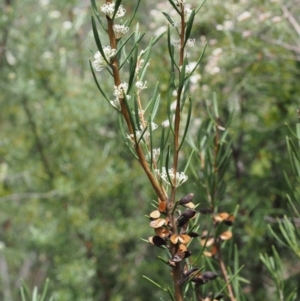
x=72, y=198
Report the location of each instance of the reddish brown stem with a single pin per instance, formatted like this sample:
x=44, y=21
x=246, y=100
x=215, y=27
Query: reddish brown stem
x=117, y=80
x=177, y=272
x=225, y=275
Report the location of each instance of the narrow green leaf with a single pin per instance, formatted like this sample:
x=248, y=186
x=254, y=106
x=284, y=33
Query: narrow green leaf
x=156, y=39
x=25, y=289
x=187, y=123
x=97, y=40
x=189, y=27
x=133, y=62
x=182, y=74
x=45, y=290
x=35, y=294
x=125, y=60
x=169, y=19
x=23, y=294
x=131, y=118
x=142, y=135
x=170, y=294
x=198, y=62
x=235, y=282
x=133, y=15
x=125, y=138
x=155, y=106
x=96, y=13
x=231, y=279
x=117, y=5
x=167, y=165
x=293, y=134
x=163, y=260
x=155, y=283
x=175, y=6
x=199, y=7
x=97, y=84
x=276, y=236
x=171, y=49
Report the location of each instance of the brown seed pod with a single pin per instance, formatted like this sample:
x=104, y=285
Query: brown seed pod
x=221, y=217
x=191, y=271
x=186, y=199
x=157, y=241
x=155, y=214
x=162, y=232
x=205, y=277
x=162, y=206
x=157, y=223
x=226, y=235
x=205, y=210
x=230, y=220
x=193, y=234
x=189, y=213
x=182, y=238
x=181, y=221
x=209, y=275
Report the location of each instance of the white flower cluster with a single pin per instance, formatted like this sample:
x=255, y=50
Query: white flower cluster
x=142, y=132
x=177, y=43
x=119, y=93
x=100, y=63
x=109, y=9
x=140, y=86
x=119, y=31
x=179, y=177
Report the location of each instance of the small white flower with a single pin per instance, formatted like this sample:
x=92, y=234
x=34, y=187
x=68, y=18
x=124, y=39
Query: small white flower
x=190, y=43
x=154, y=126
x=217, y=51
x=140, y=85
x=138, y=135
x=116, y=103
x=228, y=25
x=265, y=16
x=176, y=43
x=130, y=137
x=121, y=90
x=173, y=105
x=119, y=31
x=244, y=16
x=67, y=25
x=165, y=123
x=176, y=24
x=109, y=9
x=119, y=93
x=55, y=14
x=187, y=12
x=155, y=155
x=177, y=179
x=99, y=63
x=276, y=19
x=139, y=64
x=246, y=34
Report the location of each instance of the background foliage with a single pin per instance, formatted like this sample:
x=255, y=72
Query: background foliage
x=73, y=200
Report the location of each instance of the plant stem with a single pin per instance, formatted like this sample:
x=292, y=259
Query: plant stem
x=225, y=275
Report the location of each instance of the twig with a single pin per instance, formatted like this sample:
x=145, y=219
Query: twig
x=291, y=19
x=29, y=195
